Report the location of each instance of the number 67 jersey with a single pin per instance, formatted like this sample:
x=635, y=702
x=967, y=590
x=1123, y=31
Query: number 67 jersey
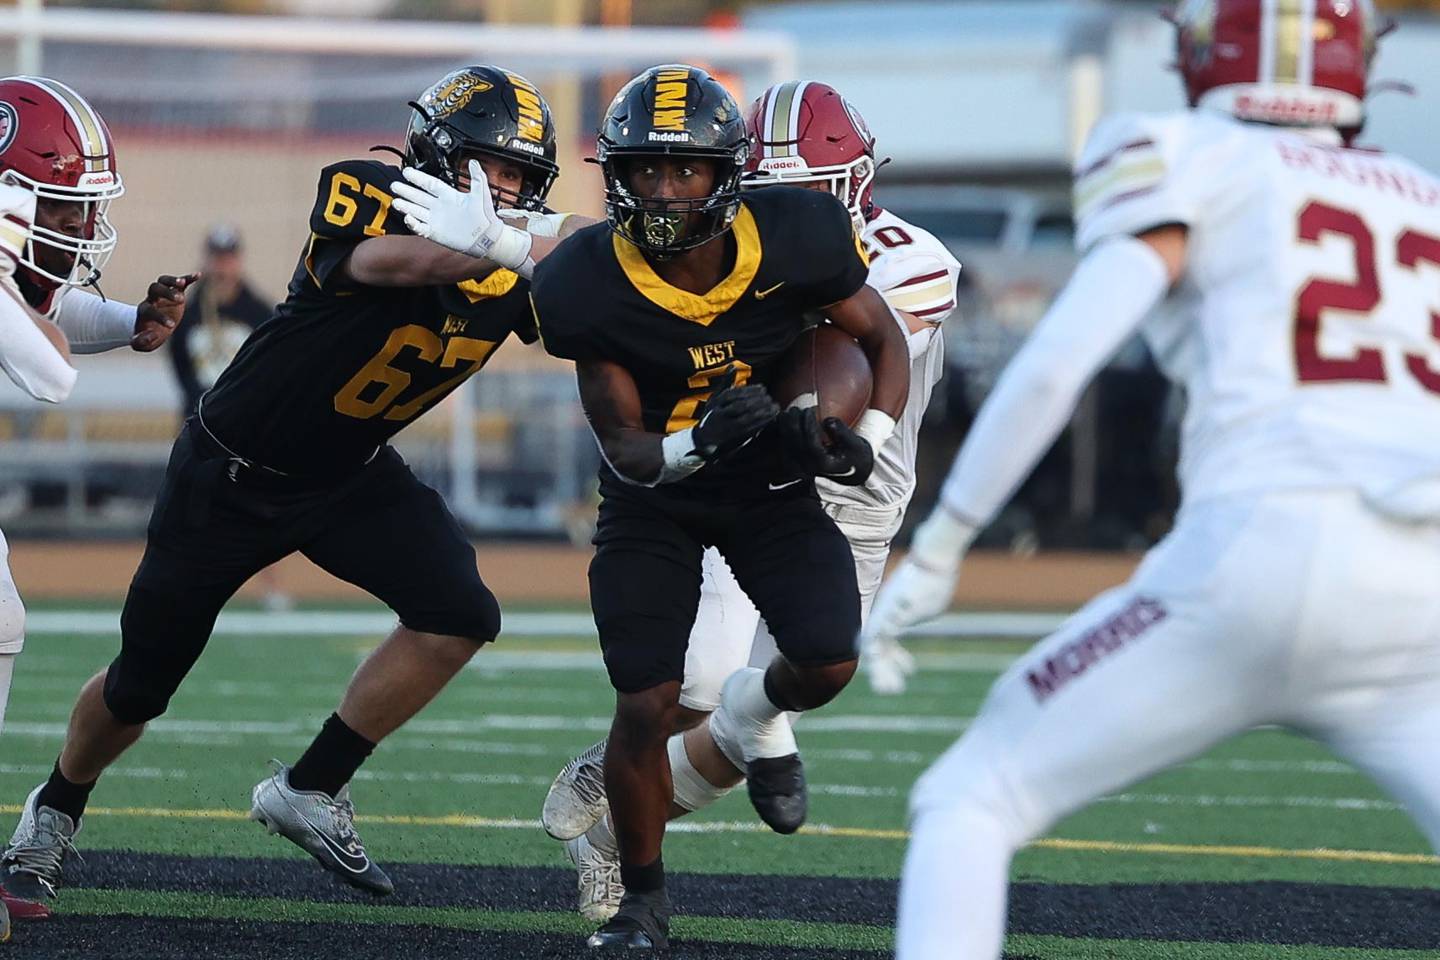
x=1306, y=329
x=342, y=366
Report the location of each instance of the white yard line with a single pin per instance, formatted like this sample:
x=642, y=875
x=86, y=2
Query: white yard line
x=527, y=623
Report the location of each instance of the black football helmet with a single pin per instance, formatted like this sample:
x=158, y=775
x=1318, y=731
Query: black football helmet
x=485, y=110
x=672, y=110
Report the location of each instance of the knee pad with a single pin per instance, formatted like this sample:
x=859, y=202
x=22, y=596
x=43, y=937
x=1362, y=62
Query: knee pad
x=692, y=790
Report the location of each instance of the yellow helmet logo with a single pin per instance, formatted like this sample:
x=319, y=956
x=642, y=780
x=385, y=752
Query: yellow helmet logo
x=453, y=94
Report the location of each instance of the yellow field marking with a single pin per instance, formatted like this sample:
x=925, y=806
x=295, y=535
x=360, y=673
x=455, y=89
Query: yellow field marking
x=860, y=833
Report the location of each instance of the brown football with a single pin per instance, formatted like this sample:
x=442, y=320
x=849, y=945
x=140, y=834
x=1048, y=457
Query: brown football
x=826, y=363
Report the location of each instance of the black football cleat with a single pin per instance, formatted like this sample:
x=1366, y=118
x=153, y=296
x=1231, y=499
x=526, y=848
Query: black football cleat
x=777, y=791
x=642, y=923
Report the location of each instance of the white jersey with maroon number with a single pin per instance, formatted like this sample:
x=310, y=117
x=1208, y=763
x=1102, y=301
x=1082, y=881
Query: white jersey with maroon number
x=1306, y=329
x=915, y=274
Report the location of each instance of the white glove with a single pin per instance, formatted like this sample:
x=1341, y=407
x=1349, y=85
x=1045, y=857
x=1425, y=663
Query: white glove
x=464, y=222
x=17, y=213
x=886, y=662
x=920, y=588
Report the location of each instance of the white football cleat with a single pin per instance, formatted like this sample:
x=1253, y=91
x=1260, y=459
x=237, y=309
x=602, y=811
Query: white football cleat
x=576, y=800
x=599, y=886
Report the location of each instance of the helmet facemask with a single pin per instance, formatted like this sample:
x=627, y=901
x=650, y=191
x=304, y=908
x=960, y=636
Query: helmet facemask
x=847, y=182
x=669, y=226
x=89, y=252
x=439, y=149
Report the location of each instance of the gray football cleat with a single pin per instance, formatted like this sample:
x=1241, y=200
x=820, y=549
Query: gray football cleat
x=599, y=886
x=321, y=825
x=576, y=800
x=34, y=864
x=642, y=923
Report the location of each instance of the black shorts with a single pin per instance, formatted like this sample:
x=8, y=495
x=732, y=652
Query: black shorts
x=786, y=553
x=215, y=525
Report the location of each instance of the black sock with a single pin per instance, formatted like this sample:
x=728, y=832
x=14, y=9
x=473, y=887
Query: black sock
x=60, y=794
x=646, y=879
x=331, y=759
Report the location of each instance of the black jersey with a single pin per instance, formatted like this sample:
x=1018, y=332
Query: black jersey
x=341, y=367
x=597, y=298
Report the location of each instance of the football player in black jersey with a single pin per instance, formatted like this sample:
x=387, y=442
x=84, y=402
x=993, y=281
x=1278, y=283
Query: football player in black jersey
x=289, y=453
x=676, y=316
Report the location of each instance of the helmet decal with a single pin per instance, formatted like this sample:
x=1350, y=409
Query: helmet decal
x=672, y=89
x=452, y=95
x=530, y=107
x=9, y=125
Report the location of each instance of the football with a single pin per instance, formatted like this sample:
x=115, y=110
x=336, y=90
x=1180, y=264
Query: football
x=827, y=370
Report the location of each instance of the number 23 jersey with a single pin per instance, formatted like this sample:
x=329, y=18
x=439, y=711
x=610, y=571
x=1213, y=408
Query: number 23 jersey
x=597, y=298
x=1305, y=328
x=341, y=367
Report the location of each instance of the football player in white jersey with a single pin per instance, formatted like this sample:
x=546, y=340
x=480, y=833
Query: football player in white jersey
x=806, y=135
x=57, y=178
x=1290, y=283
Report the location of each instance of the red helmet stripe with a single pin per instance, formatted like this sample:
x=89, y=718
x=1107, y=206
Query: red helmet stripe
x=97, y=147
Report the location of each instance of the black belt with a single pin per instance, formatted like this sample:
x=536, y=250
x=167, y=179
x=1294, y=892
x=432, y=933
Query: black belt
x=240, y=468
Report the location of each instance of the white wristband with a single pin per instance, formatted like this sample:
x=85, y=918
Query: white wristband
x=509, y=247
x=875, y=426
x=681, y=460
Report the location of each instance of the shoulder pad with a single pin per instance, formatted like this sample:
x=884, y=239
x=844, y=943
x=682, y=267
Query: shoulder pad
x=353, y=201
x=1140, y=171
x=913, y=270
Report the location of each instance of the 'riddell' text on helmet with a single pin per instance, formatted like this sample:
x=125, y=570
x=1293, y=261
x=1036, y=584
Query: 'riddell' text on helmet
x=805, y=132
x=1282, y=62
x=485, y=111
x=54, y=143
x=673, y=110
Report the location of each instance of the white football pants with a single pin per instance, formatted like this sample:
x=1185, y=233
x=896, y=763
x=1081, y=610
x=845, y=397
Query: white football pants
x=728, y=632
x=12, y=626
x=1303, y=609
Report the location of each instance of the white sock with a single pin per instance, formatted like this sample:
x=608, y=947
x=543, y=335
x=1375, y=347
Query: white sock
x=747, y=726
x=7, y=670
x=692, y=790
x=953, y=888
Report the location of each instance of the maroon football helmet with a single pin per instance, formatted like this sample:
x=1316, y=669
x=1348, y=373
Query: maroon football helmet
x=1285, y=62
x=805, y=132
x=54, y=143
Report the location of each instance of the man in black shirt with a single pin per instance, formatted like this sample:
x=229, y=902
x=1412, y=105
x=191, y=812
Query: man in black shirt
x=221, y=310
x=677, y=315
x=288, y=453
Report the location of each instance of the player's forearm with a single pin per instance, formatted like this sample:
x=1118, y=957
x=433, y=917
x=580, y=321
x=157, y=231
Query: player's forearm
x=412, y=262
x=637, y=456
x=93, y=324
x=889, y=357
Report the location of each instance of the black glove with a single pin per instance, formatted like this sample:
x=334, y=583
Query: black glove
x=846, y=459
x=732, y=416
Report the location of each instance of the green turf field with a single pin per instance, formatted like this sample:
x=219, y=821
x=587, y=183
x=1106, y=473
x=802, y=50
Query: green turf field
x=1266, y=848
